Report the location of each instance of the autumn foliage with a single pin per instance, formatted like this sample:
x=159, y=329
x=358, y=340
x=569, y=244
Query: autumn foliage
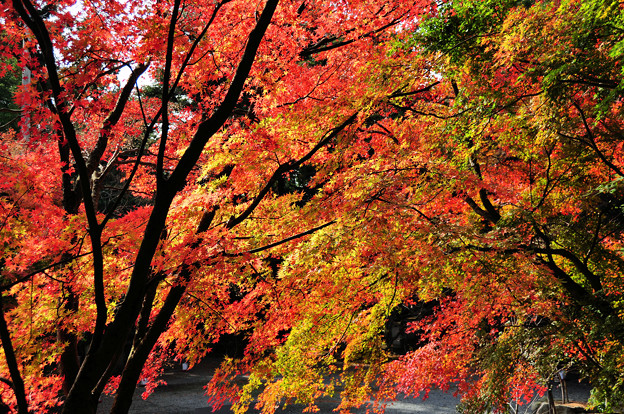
x=307, y=176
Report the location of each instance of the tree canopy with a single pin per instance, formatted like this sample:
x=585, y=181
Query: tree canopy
x=309, y=176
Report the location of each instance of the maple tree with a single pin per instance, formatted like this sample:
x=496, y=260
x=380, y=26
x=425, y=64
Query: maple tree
x=299, y=172
x=487, y=187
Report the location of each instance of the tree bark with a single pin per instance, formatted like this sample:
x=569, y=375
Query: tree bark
x=69, y=363
x=9, y=354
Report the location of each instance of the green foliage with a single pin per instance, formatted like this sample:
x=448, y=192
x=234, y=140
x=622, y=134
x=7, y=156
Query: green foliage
x=459, y=28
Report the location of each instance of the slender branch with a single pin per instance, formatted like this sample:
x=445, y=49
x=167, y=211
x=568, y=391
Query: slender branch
x=398, y=93
x=86, y=87
x=320, y=46
x=288, y=167
x=594, y=242
x=344, y=333
x=291, y=238
x=165, y=95
x=198, y=39
x=209, y=127
x=113, y=117
x=418, y=112
x=600, y=83
x=591, y=277
x=169, y=92
x=27, y=276
x=211, y=309
x=592, y=142
x=575, y=290
x=14, y=206
x=548, y=182
x=12, y=111
x=135, y=168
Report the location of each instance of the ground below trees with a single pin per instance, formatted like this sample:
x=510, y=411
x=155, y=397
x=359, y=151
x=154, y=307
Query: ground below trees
x=183, y=394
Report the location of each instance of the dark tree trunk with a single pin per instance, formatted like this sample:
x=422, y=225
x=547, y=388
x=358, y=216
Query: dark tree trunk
x=69, y=363
x=9, y=354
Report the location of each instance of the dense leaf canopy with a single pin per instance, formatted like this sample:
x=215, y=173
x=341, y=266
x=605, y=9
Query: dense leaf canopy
x=376, y=198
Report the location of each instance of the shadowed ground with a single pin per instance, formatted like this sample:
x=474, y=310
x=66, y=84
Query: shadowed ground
x=184, y=394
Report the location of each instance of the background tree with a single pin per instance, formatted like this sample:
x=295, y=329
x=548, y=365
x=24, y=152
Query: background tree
x=9, y=111
x=84, y=270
